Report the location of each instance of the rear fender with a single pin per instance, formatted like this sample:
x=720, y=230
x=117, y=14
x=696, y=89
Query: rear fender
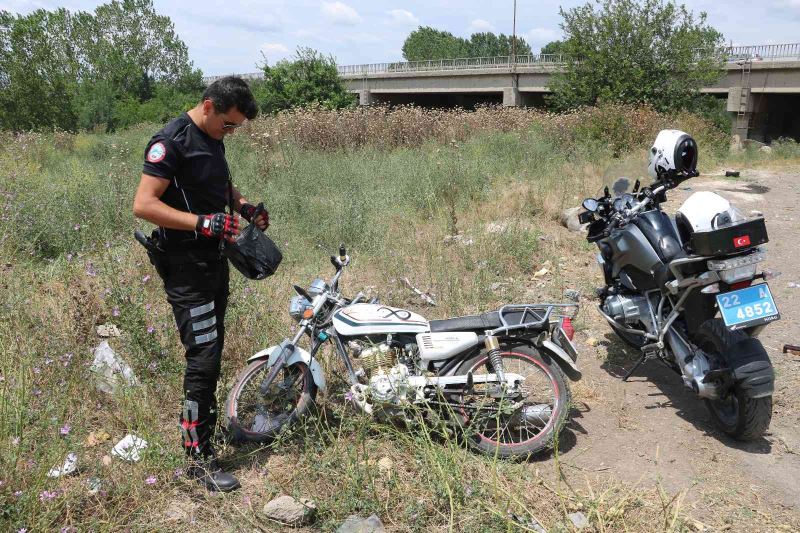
x=564, y=361
x=299, y=355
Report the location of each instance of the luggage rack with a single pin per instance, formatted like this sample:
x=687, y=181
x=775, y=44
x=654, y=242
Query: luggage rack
x=533, y=316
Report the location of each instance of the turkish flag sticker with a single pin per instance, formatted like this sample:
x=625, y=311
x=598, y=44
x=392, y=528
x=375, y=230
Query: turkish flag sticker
x=740, y=242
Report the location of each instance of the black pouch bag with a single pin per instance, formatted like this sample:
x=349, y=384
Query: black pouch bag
x=252, y=253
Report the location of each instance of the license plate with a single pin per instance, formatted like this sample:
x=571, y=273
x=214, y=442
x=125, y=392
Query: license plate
x=748, y=307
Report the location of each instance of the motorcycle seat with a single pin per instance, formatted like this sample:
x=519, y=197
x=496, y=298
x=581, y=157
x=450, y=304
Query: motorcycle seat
x=482, y=322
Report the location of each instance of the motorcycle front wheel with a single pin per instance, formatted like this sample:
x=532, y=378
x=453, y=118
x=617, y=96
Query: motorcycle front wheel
x=529, y=419
x=254, y=413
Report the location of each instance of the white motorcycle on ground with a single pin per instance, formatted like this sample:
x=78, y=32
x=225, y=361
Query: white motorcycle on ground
x=498, y=378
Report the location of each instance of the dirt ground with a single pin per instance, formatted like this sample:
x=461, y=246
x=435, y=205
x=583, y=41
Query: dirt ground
x=654, y=430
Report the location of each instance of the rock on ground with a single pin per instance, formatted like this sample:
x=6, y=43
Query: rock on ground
x=290, y=511
x=578, y=520
x=355, y=524
x=569, y=219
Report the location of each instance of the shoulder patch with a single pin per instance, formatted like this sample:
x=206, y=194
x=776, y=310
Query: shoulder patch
x=156, y=153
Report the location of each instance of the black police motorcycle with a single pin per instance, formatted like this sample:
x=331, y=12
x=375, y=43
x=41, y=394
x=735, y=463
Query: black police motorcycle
x=686, y=289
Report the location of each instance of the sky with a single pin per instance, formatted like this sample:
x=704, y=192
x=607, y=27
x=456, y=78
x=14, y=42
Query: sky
x=236, y=36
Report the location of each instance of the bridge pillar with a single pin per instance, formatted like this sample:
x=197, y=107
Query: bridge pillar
x=740, y=102
x=511, y=97
x=365, y=97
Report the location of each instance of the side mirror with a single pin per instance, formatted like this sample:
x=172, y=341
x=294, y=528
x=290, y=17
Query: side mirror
x=590, y=204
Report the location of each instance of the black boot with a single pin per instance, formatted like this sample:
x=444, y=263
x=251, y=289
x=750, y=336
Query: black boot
x=209, y=474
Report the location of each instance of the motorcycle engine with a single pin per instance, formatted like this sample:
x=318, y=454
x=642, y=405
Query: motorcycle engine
x=627, y=309
x=387, y=375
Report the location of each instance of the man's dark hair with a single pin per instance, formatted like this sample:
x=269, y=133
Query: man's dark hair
x=232, y=91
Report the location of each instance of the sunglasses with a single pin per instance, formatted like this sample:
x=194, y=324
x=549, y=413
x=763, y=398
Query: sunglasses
x=231, y=125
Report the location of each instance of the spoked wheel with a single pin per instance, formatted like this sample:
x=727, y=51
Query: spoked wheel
x=518, y=422
x=254, y=413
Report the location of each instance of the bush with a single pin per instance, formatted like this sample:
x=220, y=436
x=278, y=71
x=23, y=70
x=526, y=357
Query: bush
x=309, y=79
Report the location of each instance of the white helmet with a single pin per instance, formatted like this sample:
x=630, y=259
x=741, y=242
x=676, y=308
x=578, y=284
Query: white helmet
x=674, y=154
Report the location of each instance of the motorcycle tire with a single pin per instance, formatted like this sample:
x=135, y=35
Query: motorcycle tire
x=481, y=437
x=242, y=422
x=737, y=415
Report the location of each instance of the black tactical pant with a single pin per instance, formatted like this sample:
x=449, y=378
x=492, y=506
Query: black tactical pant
x=197, y=288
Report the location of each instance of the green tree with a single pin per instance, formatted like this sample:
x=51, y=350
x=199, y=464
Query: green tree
x=426, y=43
x=132, y=42
x=490, y=45
x=70, y=70
x=635, y=51
x=309, y=78
x=553, y=48
x=41, y=61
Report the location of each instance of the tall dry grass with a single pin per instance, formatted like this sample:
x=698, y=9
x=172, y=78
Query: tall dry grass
x=620, y=128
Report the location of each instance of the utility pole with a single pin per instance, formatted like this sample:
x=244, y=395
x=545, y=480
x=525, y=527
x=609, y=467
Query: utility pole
x=514, y=36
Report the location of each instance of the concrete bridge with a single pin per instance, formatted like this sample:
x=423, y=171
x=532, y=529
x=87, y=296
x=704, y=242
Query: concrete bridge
x=761, y=85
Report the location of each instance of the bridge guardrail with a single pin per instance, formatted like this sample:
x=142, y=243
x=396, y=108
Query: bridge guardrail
x=767, y=52
x=731, y=54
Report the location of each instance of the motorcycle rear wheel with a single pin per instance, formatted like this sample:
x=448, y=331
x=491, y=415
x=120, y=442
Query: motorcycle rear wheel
x=736, y=414
x=506, y=428
x=256, y=415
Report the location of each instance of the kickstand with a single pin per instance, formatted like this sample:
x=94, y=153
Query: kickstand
x=633, y=369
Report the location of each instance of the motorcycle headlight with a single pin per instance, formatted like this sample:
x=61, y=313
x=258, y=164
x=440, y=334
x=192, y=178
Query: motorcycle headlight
x=318, y=286
x=297, y=305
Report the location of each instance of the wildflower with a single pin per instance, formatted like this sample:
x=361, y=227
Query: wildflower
x=246, y=500
x=106, y=293
x=37, y=392
x=15, y=441
x=47, y=495
x=115, y=311
x=153, y=366
x=2, y=378
x=150, y=329
x=348, y=396
x=151, y=480
x=108, y=245
x=48, y=361
x=90, y=271
x=146, y=278
x=69, y=257
x=37, y=370
x=65, y=429
x=18, y=494
x=177, y=473
x=76, y=227
x=147, y=307
x=22, y=530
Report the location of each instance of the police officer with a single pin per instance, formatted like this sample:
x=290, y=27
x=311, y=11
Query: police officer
x=184, y=190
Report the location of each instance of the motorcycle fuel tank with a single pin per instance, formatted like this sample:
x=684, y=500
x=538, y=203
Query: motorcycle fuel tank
x=373, y=319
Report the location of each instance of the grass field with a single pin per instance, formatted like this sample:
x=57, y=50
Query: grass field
x=391, y=186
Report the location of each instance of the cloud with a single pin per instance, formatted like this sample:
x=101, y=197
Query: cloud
x=480, y=25
x=401, y=17
x=340, y=13
x=274, y=52
x=256, y=24
x=541, y=35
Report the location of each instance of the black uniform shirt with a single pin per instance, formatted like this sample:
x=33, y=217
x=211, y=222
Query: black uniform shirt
x=195, y=166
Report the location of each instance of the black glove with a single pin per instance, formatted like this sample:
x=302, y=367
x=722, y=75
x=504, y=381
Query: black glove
x=249, y=213
x=218, y=225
